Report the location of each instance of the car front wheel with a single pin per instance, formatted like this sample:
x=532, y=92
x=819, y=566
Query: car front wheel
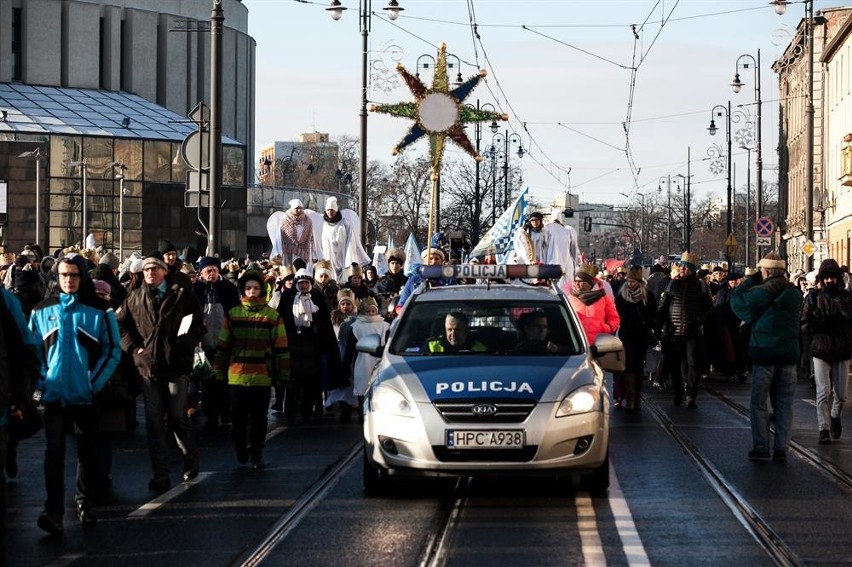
x=377, y=481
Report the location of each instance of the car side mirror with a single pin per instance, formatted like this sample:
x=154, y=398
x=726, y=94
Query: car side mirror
x=371, y=344
x=609, y=353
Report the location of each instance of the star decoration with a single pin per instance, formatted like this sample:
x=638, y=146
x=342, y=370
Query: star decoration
x=438, y=112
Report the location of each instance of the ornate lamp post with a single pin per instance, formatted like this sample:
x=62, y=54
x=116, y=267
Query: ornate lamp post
x=744, y=61
x=365, y=12
x=504, y=139
x=720, y=111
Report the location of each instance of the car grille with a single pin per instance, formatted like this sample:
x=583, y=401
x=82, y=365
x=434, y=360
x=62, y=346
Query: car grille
x=523, y=455
x=507, y=411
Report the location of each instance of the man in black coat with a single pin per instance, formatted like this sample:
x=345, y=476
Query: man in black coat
x=685, y=307
x=160, y=324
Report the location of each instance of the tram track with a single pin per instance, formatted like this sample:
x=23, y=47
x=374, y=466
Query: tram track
x=294, y=516
x=827, y=468
x=435, y=552
x=748, y=516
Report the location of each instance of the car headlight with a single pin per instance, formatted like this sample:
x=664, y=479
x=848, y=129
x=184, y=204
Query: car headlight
x=388, y=400
x=581, y=400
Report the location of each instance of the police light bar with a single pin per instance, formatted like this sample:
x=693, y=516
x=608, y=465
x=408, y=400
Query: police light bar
x=493, y=271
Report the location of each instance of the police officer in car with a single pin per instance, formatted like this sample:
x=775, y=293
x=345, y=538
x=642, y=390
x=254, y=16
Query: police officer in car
x=456, y=337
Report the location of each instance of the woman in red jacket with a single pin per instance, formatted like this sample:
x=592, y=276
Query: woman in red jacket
x=594, y=307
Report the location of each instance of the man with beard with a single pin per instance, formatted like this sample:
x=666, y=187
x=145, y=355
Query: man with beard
x=827, y=320
x=340, y=244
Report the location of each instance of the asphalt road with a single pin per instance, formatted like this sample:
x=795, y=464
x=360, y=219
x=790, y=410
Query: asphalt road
x=683, y=492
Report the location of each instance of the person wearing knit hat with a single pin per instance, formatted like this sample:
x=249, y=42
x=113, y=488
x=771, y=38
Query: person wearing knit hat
x=218, y=296
x=771, y=306
x=252, y=354
x=434, y=256
x=154, y=261
x=164, y=246
x=685, y=308
x=297, y=234
x=637, y=311
x=827, y=324
x=110, y=260
x=325, y=281
x=595, y=309
x=340, y=242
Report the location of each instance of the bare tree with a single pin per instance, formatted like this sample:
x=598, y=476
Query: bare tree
x=399, y=198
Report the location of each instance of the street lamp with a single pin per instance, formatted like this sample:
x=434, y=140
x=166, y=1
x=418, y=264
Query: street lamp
x=459, y=78
x=505, y=139
x=477, y=128
x=84, y=166
x=719, y=111
x=780, y=8
x=365, y=12
x=122, y=167
x=743, y=61
x=668, y=181
x=37, y=156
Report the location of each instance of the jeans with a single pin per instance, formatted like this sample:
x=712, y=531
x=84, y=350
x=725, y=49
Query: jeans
x=167, y=399
x=85, y=422
x=832, y=380
x=783, y=378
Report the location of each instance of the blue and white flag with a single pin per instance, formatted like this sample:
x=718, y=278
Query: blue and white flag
x=412, y=256
x=497, y=242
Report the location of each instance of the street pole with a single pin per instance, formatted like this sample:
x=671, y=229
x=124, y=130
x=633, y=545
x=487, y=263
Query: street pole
x=748, y=207
x=364, y=24
x=737, y=86
x=36, y=155
x=217, y=19
x=809, y=134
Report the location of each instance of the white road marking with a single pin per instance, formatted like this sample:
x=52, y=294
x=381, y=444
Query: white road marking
x=162, y=499
x=630, y=540
x=587, y=526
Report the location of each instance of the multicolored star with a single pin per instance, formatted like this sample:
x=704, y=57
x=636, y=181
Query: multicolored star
x=438, y=112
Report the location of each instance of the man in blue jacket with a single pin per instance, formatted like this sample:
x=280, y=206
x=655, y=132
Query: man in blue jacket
x=771, y=305
x=80, y=349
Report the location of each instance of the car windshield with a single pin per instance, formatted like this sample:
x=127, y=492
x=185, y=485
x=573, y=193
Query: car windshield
x=487, y=327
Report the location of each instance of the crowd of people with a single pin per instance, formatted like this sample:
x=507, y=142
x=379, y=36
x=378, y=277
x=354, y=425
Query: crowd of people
x=212, y=345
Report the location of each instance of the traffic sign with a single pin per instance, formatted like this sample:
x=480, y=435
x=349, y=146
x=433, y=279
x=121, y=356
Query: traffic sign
x=763, y=241
x=731, y=240
x=197, y=181
x=195, y=199
x=201, y=113
x=764, y=227
x=195, y=150
x=809, y=248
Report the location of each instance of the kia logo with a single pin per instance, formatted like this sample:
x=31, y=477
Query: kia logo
x=484, y=410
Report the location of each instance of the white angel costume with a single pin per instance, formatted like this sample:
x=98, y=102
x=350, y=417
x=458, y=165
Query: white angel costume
x=339, y=237
x=563, y=249
x=531, y=246
x=293, y=235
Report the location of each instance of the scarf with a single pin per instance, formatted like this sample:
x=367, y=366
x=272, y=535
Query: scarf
x=290, y=242
x=588, y=297
x=304, y=309
x=333, y=219
x=631, y=296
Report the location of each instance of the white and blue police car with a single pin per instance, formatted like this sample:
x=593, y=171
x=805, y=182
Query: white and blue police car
x=488, y=377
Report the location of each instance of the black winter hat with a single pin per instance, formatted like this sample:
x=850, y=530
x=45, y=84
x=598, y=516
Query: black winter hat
x=829, y=268
x=165, y=246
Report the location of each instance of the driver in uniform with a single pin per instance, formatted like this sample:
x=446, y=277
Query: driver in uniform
x=456, y=337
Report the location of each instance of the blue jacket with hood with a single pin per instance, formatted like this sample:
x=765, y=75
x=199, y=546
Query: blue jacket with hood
x=80, y=349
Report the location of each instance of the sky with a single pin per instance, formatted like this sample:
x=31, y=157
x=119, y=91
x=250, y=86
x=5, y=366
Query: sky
x=606, y=95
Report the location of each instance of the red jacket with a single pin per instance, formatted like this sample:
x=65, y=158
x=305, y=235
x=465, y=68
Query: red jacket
x=598, y=317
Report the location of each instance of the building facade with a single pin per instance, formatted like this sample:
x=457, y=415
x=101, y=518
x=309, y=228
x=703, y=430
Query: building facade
x=100, y=82
x=835, y=199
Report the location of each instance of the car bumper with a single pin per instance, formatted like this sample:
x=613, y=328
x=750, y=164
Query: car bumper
x=417, y=445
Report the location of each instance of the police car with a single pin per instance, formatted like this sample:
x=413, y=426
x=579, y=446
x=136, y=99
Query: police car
x=519, y=392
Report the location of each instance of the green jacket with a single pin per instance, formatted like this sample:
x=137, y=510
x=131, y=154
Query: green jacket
x=772, y=309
